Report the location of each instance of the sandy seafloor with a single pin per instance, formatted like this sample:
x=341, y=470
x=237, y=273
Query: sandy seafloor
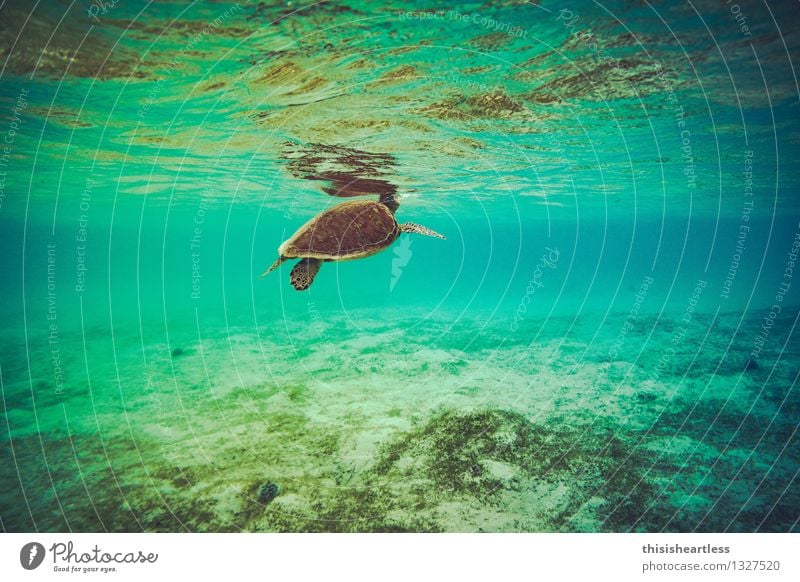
x=415, y=424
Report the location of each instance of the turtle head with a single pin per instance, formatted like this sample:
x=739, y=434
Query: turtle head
x=390, y=202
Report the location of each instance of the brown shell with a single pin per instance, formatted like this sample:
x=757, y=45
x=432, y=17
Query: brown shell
x=347, y=231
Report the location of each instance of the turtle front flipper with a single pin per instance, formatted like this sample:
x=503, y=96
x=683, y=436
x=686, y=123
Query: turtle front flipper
x=304, y=272
x=272, y=268
x=419, y=229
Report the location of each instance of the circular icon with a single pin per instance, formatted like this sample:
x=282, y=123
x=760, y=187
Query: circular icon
x=31, y=555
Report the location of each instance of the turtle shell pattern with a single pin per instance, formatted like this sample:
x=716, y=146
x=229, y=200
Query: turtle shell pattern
x=347, y=231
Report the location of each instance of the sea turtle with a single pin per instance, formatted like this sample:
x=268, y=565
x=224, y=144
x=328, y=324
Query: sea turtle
x=351, y=230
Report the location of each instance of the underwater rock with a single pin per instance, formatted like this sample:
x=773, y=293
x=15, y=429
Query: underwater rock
x=751, y=365
x=268, y=492
x=177, y=352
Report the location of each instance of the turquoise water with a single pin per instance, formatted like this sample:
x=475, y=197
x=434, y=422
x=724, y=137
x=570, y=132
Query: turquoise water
x=605, y=341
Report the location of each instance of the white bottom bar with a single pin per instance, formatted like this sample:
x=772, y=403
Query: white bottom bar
x=354, y=557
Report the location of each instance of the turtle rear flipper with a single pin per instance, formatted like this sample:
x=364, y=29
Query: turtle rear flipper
x=272, y=268
x=303, y=273
x=419, y=229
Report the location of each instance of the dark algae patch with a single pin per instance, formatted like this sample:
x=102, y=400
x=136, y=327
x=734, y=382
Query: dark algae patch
x=486, y=460
x=492, y=455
